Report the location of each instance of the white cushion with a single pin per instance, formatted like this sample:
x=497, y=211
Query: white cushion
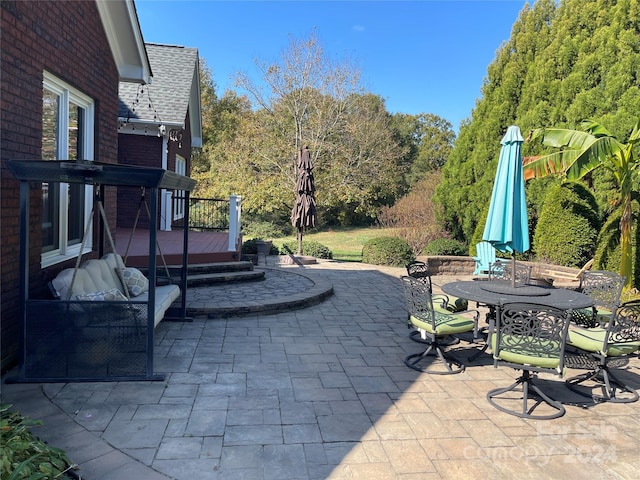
x=82, y=284
x=85, y=285
x=165, y=296
x=135, y=281
x=101, y=275
x=116, y=268
x=110, y=296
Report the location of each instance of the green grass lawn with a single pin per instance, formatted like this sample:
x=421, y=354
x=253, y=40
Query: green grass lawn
x=345, y=242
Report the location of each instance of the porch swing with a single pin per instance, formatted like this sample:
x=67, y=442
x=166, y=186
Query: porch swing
x=73, y=339
x=143, y=202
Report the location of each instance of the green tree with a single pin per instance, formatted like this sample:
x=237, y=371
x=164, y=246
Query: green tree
x=568, y=226
x=429, y=139
x=585, y=150
x=470, y=169
x=208, y=103
x=564, y=62
x=310, y=99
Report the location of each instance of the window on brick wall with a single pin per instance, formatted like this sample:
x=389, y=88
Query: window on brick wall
x=178, y=205
x=67, y=134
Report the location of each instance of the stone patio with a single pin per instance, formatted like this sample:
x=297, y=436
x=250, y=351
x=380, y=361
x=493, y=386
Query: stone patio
x=322, y=393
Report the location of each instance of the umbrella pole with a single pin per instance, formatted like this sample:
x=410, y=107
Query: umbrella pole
x=513, y=271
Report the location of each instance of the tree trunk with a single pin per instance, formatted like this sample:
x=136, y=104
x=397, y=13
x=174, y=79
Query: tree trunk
x=626, y=262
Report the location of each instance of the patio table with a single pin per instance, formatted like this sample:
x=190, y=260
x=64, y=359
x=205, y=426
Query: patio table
x=495, y=293
x=491, y=294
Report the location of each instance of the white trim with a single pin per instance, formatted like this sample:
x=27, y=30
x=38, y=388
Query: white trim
x=122, y=28
x=67, y=94
x=179, y=205
x=195, y=112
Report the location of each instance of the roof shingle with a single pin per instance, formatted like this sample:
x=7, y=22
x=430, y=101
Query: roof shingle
x=166, y=99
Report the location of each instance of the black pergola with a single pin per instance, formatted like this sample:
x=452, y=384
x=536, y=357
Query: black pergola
x=55, y=331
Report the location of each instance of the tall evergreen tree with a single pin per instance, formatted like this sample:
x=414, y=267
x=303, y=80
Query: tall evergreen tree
x=470, y=170
x=565, y=62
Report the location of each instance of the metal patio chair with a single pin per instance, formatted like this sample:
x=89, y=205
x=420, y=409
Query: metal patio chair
x=604, y=288
x=607, y=345
x=434, y=325
x=501, y=270
x=529, y=337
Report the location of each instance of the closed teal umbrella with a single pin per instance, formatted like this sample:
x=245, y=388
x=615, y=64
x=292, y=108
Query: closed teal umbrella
x=507, y=227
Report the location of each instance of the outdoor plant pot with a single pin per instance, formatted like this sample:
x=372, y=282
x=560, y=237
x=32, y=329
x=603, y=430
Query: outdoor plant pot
x=263, y=247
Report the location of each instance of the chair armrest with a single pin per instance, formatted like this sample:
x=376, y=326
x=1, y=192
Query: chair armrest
x=442, y=299
x=476, y=317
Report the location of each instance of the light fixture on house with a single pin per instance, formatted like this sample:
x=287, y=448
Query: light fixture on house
x=175, y=135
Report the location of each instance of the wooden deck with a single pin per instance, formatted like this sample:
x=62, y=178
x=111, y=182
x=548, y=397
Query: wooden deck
x=204, y=247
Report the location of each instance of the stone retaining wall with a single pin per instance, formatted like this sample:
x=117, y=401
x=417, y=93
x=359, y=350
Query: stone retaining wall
x=449, y=264
x=453, y=265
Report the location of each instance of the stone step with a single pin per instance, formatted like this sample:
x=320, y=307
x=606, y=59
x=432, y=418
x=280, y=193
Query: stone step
x=200, y=268
x=204, y=274
x=203, y=279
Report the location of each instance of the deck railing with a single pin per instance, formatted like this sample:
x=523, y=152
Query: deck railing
x=214, y=214
x=208, y=214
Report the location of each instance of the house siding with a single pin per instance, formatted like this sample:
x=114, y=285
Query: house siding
x=184, y=147
x=143, y=151
x=146, y=151
x=66, y=39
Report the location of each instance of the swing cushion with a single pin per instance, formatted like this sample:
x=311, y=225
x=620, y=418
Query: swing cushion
x=82, y=285
x=113, y=295
x=135, y=281
x=95, y=277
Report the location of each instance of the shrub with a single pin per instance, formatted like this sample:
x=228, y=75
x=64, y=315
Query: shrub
x=249, y=247
x=309, y=247
x=445, y=246
x=262, y=229
x=568, y=226
x=414, y=217
x=391, y=251
x=25, y=456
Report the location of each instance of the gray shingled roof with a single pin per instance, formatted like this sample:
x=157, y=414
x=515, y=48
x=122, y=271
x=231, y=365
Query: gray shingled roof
x=166, y=99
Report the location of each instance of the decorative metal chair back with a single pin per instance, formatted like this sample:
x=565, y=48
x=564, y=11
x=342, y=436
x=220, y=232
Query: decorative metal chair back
x=619, y=338
x=433, y=324
x=420, y=270
x=532, y=330
x=419, y=300
x=625, y=326
x=603, y=287
x=529, y=337
x=499, y=270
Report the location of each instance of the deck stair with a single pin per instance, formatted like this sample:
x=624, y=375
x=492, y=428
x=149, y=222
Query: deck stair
x=200, y=275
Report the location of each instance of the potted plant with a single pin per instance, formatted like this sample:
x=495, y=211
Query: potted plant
x=263, y=246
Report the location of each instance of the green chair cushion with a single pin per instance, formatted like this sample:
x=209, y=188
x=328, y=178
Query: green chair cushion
x=602, y=316
x=458, y=305
x=592, y=340
x=446, y=324
x=522, y=357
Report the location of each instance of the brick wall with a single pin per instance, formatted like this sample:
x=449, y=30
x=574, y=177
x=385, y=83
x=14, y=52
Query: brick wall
x=143, y=151
x=67, y=39
x=146, y=151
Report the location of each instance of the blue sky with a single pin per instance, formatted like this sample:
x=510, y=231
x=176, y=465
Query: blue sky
x=428, y=56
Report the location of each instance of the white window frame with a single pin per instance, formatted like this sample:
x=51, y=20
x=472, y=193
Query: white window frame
x=67, y=94
x=178, y=205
